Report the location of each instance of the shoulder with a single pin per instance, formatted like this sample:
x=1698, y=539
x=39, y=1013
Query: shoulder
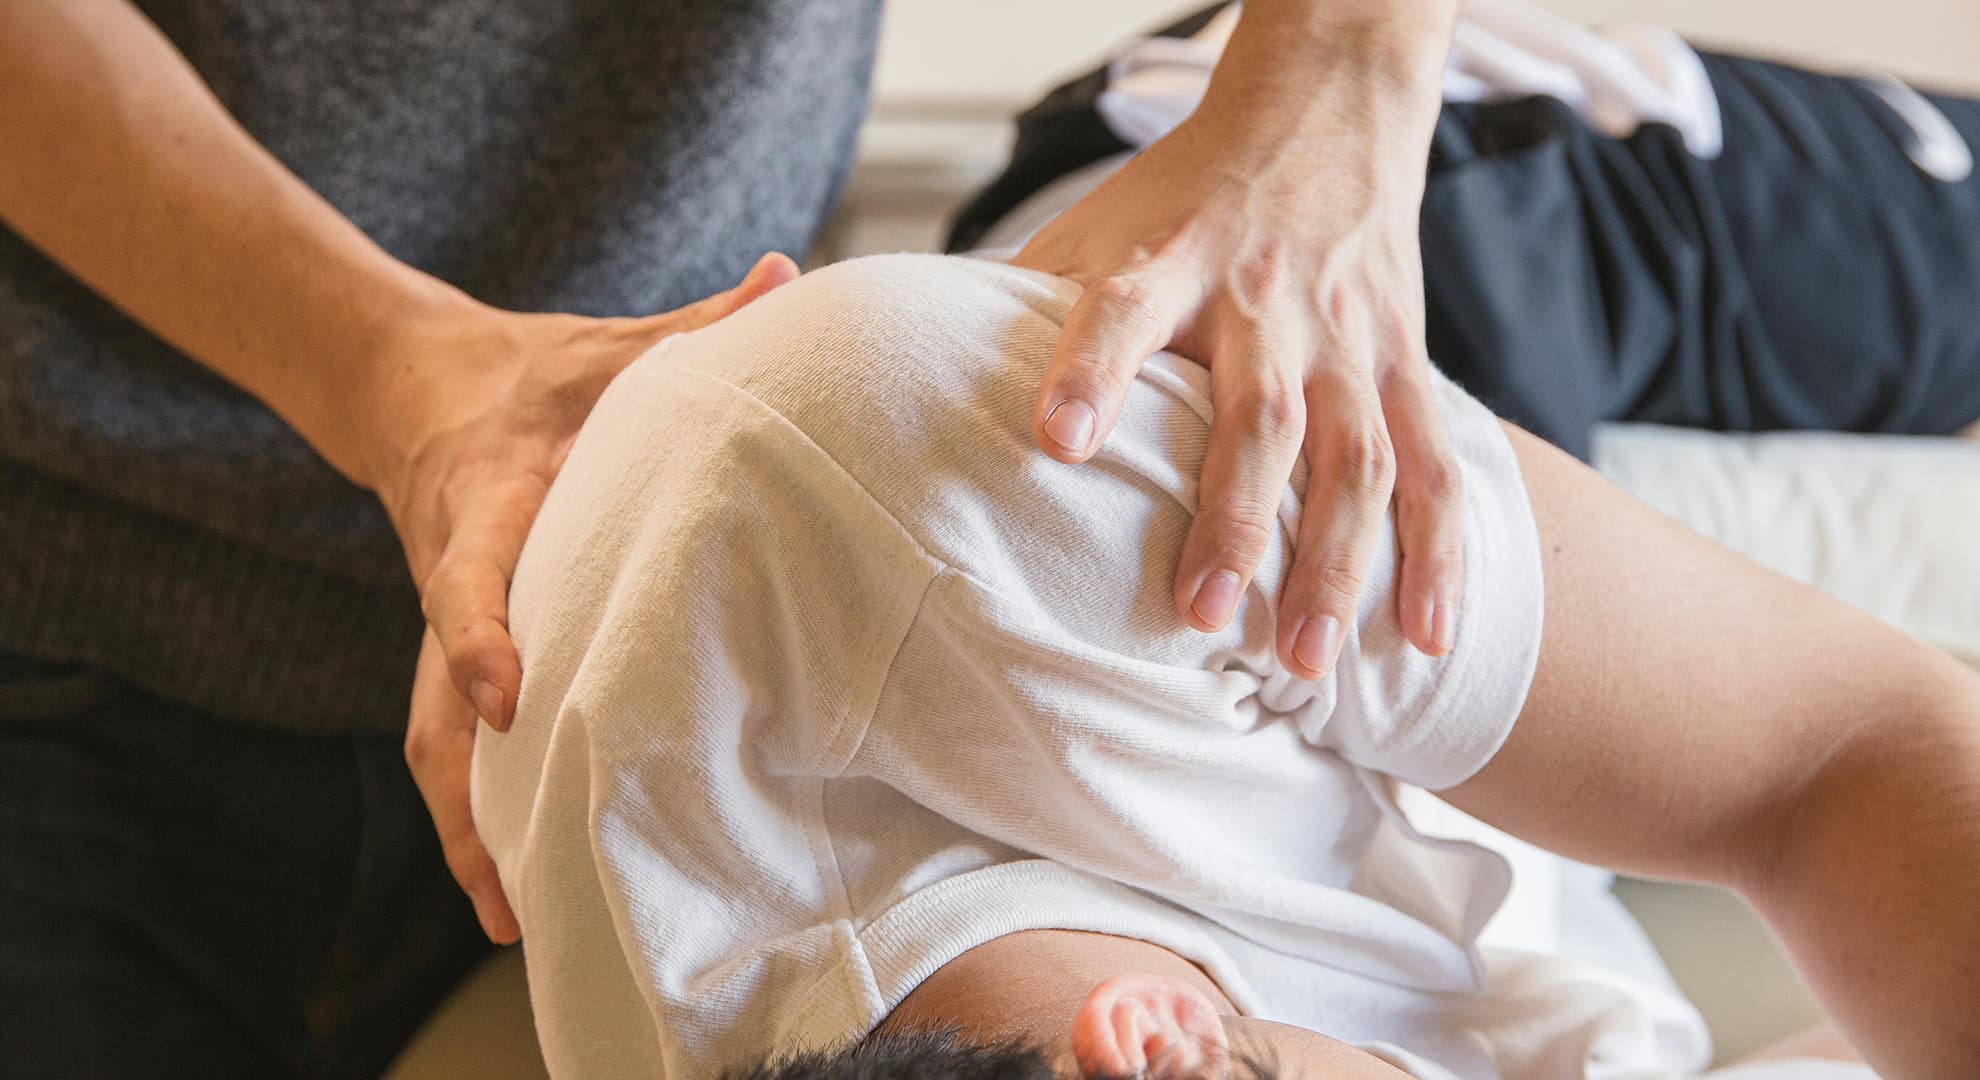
x=867, y=323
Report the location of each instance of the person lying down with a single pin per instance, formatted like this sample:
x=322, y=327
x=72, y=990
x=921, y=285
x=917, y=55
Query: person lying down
x=858, y=738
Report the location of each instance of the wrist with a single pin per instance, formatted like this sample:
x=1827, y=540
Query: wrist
x=1297, y=71
x=1406, y=38
x=370, y=406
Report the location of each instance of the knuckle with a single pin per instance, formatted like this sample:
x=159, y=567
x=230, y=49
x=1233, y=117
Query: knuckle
x=418, y=748
x=478, y=639
x=1126, y=301
x=1340, y=301
x=1338, y=384
x=1442, y=563
x=1439, y=483
x=1437, y=556
x=1271, y=410
x=1267, y=272
x=1092, y=377
x=1242, y=530
x=443, y=590
x=1368, y=461
x=467, y=636
x=430, y=596
x=1338, y=581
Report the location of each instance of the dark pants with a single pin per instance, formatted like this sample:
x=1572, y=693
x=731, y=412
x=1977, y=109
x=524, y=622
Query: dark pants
x=183, y=897
x=1809, y=277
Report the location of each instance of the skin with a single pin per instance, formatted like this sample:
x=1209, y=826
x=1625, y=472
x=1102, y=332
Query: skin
x=1693, y=717
x=1274, y=235
x=1277, y=245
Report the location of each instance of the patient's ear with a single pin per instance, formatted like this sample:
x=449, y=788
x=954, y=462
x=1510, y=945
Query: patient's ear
x=1146, y=1024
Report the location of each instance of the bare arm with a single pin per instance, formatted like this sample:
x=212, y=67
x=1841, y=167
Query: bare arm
x=1694, y=716
x=124, y=168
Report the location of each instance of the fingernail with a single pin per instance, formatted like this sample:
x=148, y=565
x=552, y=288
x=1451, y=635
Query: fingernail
x=1216, y=599
x=1070, y=424
x=487, y=701
x=1318, y=643
x=1443, y=624
x=1425, y=630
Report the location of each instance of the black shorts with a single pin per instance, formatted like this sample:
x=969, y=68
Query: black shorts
x=1809, y=277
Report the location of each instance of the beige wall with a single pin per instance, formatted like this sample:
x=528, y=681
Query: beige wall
x=1006, y=51
x=1936, y=42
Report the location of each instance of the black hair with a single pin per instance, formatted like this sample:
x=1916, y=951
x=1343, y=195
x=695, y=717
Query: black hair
x=941, y=1054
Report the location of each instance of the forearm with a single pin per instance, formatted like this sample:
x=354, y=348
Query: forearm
x=1295, y=69
x=1874, y=883
x=125, y=169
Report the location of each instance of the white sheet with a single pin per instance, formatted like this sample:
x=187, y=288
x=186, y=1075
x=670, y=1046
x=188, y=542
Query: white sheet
x=1890, y=524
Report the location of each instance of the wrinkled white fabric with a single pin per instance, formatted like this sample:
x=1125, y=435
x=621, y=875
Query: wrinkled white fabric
x=831, y=676
x=1933, y=143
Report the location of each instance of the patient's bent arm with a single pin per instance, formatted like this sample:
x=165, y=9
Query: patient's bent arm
x=1695, y=716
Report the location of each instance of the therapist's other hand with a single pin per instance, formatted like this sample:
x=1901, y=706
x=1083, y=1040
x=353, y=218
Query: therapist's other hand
x=440, y=750
x=480, y=419
x=1288, y=264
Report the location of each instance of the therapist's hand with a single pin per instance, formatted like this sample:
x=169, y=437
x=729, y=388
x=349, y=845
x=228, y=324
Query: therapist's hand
x=478, y=424
x=1273, y=238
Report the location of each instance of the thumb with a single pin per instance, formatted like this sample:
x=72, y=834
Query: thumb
x=1116, y=324
x=440, y=751
x=770, y=271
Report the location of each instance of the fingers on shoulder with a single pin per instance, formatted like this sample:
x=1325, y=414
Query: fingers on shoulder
x=1429, y=510
x=1414, y=512
x=1110, y=331
x=1351, y=459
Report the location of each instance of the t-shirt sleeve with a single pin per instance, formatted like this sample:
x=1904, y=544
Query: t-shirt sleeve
x=705, y=610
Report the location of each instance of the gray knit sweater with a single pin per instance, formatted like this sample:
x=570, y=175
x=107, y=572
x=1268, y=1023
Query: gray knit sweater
x=592, y=156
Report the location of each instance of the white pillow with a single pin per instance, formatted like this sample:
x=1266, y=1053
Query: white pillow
x=1890, y=524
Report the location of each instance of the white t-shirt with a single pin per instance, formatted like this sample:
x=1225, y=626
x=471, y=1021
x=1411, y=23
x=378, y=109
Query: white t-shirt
x=830, y=676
